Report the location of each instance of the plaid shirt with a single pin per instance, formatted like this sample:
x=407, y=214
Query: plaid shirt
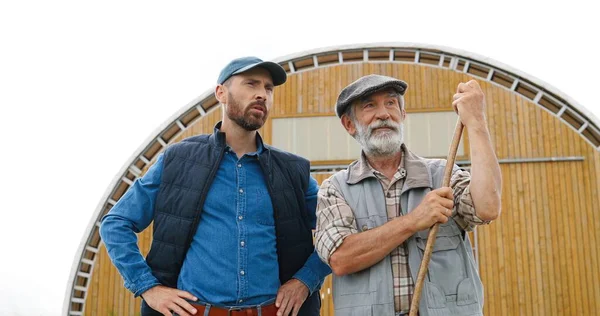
x=336, y=220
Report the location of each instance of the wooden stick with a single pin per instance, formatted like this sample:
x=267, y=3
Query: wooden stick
x=414, y=306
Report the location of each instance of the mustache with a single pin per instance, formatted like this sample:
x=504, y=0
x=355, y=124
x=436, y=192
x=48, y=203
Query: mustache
x=386, y=123
x=260, y=103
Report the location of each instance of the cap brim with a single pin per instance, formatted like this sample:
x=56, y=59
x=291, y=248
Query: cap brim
x=278, y=74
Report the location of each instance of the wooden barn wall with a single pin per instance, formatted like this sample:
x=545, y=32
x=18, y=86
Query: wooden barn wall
x=540, y=257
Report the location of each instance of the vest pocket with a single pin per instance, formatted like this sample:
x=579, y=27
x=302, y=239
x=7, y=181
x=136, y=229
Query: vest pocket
x=354, y=283
x=435, y=296
x=369, y=222
x=447, y=275
x=354, y=311
x=466, y=292
x=364, y=223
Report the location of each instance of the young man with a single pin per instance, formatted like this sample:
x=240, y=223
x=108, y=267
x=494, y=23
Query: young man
x=232, y=216
x=373, y=218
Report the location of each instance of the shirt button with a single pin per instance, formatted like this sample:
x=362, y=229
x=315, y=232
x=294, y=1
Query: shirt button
x=241, y=301
x=241, y=190
x=365, y=228
x=242, y=272
x=240, y=217
x=242, y=243
x=239, y=165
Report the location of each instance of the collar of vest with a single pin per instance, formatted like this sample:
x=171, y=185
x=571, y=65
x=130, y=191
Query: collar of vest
x=418, y=175
x=218, y=138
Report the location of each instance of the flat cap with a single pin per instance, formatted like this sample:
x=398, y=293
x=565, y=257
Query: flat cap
x=364, y=86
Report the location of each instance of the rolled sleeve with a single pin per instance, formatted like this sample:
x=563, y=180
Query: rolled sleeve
x=335, y=221
x=464, y=209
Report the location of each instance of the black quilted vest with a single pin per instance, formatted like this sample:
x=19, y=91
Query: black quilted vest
x=188, y=171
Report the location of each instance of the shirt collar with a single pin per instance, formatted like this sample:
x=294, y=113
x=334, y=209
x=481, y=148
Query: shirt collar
x=417, y=174
x=259, y=142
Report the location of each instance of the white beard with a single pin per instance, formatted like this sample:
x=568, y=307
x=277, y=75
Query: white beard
x=382, y=143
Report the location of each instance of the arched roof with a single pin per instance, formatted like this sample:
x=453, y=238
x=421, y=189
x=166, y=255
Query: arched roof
x=484, y=69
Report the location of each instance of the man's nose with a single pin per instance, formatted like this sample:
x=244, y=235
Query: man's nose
x=261, y=93
x=382, y=113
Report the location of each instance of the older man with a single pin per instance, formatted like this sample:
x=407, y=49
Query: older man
x=373, y=218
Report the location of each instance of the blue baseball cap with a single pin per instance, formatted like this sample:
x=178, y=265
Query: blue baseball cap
x=239, y=65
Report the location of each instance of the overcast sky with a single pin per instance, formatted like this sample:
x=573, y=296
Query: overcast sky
x=83, y=84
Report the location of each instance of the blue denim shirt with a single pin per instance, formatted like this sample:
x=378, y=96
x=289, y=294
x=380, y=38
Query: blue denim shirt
x=232, y=259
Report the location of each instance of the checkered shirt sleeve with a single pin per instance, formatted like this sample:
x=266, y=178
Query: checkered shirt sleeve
x=335, y=220
x=464, y=210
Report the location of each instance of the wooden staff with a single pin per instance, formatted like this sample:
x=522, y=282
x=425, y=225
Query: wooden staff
x=414, y=306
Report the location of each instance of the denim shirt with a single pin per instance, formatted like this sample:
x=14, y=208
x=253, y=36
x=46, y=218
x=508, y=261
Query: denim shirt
x=232, y=259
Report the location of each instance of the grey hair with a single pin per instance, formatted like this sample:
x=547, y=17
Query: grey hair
x=350, y=110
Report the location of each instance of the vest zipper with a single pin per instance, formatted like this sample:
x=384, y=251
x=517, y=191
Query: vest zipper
x=211, y=177
x=269, y=188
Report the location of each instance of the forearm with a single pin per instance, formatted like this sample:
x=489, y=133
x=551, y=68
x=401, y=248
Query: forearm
x=362, y=250
x=121, y=244
x=486, y=178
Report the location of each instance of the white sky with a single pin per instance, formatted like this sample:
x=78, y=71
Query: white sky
x=83, y=84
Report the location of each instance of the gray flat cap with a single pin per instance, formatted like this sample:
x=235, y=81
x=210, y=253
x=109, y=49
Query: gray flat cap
x=365, y=86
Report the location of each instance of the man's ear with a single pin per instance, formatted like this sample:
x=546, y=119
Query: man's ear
x=348, y=125
x=221, y=93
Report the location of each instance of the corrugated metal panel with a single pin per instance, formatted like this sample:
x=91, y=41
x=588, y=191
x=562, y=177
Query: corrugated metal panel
x=324, y=138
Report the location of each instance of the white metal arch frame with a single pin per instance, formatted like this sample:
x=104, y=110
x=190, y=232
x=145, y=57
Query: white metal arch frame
x=540, y=93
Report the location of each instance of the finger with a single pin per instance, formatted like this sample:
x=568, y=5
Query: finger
x=279, y=299
x=289, y=305
x=296, y=308
x=283, y=309
x=446, y=203
x=187, y=306
x=288, y=308
x=445, y=192
x=445, y=212
x=177, y=309
x=442, y=219
x=165, y=311
x=473, y=83
x=462, y=87
x=457, y=96
x=455, y=106
x=187, y=295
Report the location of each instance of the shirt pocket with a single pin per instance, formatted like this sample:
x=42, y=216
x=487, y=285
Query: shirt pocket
x=262, y=208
